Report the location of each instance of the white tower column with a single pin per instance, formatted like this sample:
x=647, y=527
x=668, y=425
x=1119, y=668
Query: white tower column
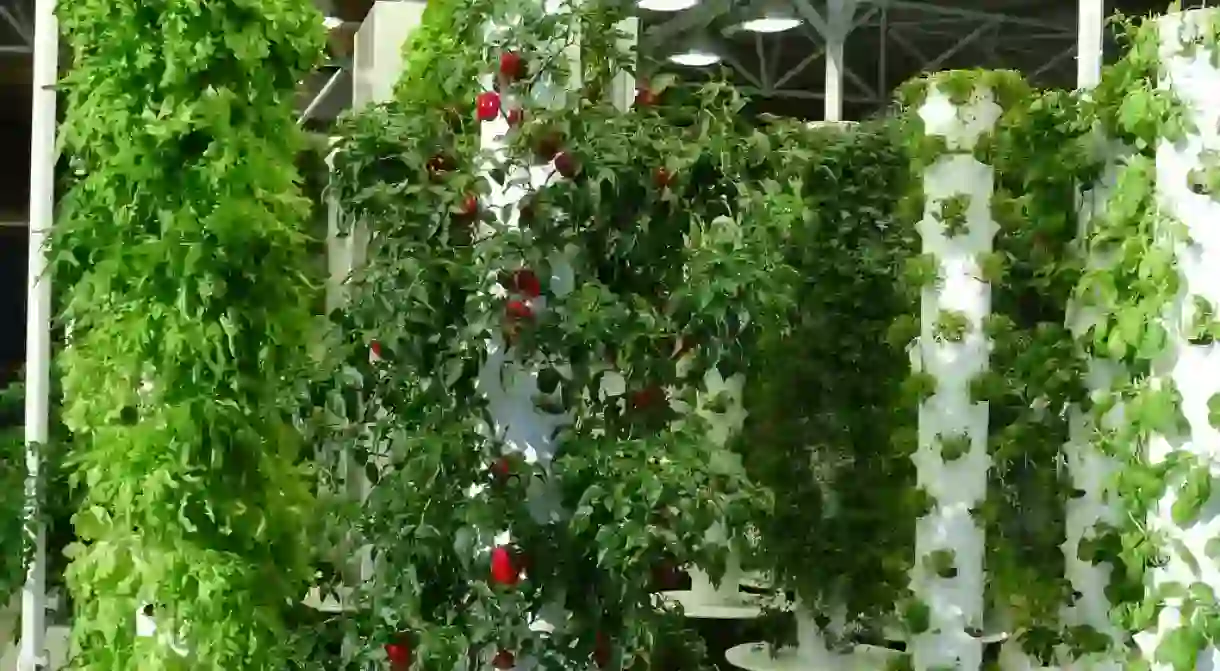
x=1187, y=517
x=952, y=460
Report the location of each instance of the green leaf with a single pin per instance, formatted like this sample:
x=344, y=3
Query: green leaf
x=1195, y=492
x=1213, y=411
x=918, y=617
x=1180, y=649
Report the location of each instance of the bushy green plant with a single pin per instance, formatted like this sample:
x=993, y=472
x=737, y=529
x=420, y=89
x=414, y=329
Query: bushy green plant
x=826, y=431
x=674, y=273
x=181, y=247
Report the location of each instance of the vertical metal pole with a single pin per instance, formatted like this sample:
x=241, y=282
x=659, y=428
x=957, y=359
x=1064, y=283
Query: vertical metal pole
x=38, y=327
x=1089, y=43
x=836, y=30
x=883, y=34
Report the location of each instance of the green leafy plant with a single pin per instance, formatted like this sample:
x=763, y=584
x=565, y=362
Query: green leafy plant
x=636, y=274
x=952, y=214
x=57, y=501
x=838, y=461
x=12, y=493
x=951, y=326
x=181, y=244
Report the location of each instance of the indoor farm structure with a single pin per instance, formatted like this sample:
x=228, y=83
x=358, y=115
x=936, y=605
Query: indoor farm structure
x=941, y=379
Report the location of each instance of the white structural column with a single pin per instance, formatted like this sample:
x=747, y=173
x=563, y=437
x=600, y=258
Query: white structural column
x=1092, y=510
x=1187, y=515
x=952, y=460
x=1091, y=28
x=38, y=325
x=838, y=21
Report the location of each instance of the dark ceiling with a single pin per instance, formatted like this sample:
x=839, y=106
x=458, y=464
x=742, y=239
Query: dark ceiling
x=895, y=39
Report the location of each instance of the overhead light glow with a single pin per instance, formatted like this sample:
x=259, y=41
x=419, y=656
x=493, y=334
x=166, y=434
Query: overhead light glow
x=770, y=24
x=666, y=5
x=332, y=22
x=695, y=58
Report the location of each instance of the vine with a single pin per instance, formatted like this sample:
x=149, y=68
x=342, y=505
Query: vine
x=181, y=244
x=1039, y=158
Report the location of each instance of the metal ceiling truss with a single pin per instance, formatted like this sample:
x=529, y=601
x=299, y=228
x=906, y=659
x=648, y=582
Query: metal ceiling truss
x=901, y=25
x=14, y=15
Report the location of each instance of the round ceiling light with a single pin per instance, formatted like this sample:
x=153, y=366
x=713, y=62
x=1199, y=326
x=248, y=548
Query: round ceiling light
x=666, y=5
x=770, y=24
x=695, y=58
x=774, y=16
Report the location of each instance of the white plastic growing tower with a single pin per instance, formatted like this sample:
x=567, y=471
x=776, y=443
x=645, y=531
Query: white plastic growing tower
x=1188, y=173
x=952, y=461
x=1092, y=510
x=706, y=600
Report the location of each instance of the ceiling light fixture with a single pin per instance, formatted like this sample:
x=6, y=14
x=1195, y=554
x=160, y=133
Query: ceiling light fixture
x=696, y=51
x=775, y=17
x=666, y=5
x=770, y=24
x=695, y=57
x=332, y=22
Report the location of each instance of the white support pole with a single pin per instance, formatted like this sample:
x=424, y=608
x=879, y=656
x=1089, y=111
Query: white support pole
x=836, y=35
x=1091, y=25
x=38, y=325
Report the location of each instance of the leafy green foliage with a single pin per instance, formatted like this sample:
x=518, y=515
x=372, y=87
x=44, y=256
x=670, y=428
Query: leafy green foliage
x=181, y=241
x=838, y=460
x=1037, y=152
x=1034, y=372
x=1130, y=291
x=675, y=270
x=12, y=489
x=57, y=500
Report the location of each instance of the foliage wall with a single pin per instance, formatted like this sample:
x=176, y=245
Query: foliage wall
x=181, y=242
x=826, y=423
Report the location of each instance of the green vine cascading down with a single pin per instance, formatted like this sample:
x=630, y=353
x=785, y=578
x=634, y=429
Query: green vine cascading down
x=180, y=243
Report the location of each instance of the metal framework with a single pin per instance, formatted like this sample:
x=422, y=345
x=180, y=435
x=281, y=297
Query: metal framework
x=900, y=23
x=910, y=36
x=16, y=27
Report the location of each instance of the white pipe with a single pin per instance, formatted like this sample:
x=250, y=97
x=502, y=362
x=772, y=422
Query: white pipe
x=38, y=322
x=1091, y=25
x=836, y=34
